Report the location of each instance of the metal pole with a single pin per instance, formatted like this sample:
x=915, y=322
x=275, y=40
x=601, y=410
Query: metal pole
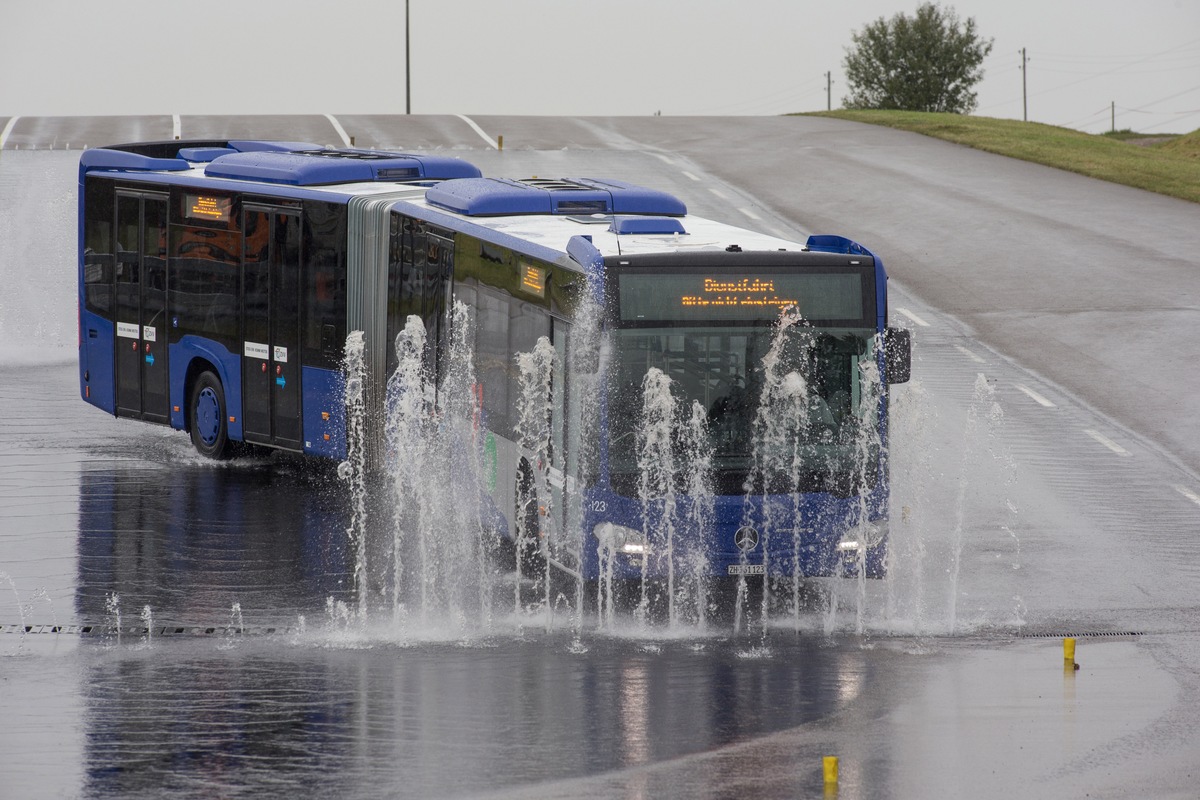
x=829, y=91
x=407, y=64
x=1024, y=93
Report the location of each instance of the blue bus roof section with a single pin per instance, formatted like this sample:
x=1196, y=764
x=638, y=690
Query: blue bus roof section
x=288, y=163
x=316, y=167
x=494, y=197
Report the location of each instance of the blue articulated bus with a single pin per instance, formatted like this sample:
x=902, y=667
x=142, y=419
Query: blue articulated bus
x=219, y=280
x=213, y=290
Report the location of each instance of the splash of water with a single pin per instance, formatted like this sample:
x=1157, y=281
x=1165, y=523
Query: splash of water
x=112, y=607
x=354, y=468
x=674, y=453
x=656, y=483
x=534, y=405
x=983, y=397
x=780, y=426
x=434, y=471
x=148, y=623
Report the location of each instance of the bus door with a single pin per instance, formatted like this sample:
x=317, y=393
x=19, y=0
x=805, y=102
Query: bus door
x=271, y=326
x=140, y=306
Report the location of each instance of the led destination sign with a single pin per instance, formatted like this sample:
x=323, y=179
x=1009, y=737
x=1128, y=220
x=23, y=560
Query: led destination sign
x=202, y=206
x=740, y=292
x=841, y=295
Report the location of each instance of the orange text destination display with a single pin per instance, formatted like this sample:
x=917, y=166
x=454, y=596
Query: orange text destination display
x=835, y=295
x=738, y=292
x=533, y=280
x=202, y=206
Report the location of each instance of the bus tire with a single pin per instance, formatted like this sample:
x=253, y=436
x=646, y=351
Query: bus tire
x=207, y=420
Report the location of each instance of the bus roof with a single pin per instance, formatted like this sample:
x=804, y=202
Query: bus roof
x=583, y=218
x=281, y=163
x=539, y=216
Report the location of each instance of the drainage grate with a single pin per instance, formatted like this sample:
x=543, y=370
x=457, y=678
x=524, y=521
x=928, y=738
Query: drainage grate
x=1079, y=635
x=141, y=630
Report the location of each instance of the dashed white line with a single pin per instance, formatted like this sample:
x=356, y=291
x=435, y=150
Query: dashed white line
x=749, y=213
x=968, y=354
x=1037, y=398
x=479, y=130
x=916, y=320
x=1107, y=442
x=337, y=126
x=687, y=174
x=718, y=193
x=1188, y=493
x=176, y=126
x=664, y=157
x=12, y=122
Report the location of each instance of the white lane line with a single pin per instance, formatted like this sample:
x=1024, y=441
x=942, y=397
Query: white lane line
x=718, y=193
x=1107, y=442
x=664, y=157
x=916, y=320
x=968, y=354
x=1188, y=493
x=12, y=122
x=687, y=174
x=491, y=142
x=337, y=126
x=176, y=126
x=1037, y=398
x=749, y=213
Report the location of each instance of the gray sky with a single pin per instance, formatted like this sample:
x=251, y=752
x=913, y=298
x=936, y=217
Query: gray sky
x=564, y=57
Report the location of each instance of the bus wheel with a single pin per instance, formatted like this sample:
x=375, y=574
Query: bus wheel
x=207, y=421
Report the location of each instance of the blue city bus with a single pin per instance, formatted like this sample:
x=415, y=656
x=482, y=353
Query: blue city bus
x=219, y=280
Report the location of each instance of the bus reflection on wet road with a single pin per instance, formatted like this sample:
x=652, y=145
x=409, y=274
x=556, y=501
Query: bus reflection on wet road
x=205, y=660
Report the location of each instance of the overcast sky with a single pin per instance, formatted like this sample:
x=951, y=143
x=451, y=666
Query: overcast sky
x=565, y=57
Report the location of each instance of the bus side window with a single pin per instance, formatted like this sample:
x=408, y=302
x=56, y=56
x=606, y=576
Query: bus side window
x=98, y=258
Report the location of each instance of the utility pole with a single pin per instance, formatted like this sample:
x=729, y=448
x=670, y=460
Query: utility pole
x=829, y=91
x=407, y=64
x=1024, y=92
x=1114, y=116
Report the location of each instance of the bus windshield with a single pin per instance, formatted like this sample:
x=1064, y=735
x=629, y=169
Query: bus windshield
x=830, y=412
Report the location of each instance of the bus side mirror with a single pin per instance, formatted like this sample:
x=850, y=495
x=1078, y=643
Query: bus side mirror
x=897, y=354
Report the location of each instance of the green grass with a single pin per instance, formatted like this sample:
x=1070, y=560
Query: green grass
x=1170, y=167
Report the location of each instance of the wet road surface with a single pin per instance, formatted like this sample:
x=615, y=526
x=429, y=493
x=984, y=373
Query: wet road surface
x=201, y=651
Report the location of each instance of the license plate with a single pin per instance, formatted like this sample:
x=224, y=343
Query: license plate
x=747, y=569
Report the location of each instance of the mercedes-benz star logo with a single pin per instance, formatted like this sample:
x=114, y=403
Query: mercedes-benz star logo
x=746, y=538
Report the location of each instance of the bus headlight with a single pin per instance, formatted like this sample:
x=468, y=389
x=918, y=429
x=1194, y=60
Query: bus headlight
x=868, y=534
x=620, y=539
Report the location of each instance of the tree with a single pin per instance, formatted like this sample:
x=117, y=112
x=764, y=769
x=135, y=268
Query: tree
x=927, y=62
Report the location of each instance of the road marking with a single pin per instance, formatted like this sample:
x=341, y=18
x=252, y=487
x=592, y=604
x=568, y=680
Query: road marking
x=491, y=142
x=687, y=174
x=337, y=126
x=749, y=213
x=718, y=193
x=1188, y=493
x=917, y=320
x=12, y=121
x=664, y=157
x=176, y=126
x=1037, y=398
x=969, y=354
x=1107, y=442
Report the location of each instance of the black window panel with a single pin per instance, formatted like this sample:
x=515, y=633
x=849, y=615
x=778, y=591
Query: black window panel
x=205, y=281
x=285, y=322
x=98, y=257
x=324, y=290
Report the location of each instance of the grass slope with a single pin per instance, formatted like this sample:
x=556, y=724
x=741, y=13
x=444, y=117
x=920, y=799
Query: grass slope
x=1170, y=168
